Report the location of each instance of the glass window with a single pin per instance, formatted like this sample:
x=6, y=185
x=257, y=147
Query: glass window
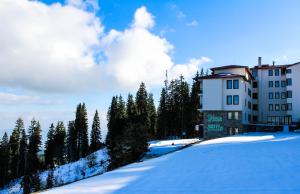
x=255, y=107
x=229, y=115
x=249, y=105
x=270, y=84
x=283, y=107
x=277, y=84
x=289, y=82
x=236, y=84
x=289, y=106
x=235, y=99
x=289, y=94
x=277, y=95
x=255, y=119
x=229, y=84
x=277, y=107
x=249, y=92
x=283, y=71
x=271, y=95
x=276, y=72
x=270, y=107
x=254, y=84
x=283, y=95
x=249, y=117
x=271, y=72
x=282, y=83
x=229, y=100
x=289, y=71
x=236, y=115
x=255, y=96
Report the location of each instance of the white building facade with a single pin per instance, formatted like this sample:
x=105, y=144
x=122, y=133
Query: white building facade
x=235, y=98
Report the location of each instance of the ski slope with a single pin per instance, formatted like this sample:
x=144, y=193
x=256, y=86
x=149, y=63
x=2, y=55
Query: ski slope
x=252, y=163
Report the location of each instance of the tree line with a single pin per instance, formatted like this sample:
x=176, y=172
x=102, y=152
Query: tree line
x=131, y=125
x=20, y=153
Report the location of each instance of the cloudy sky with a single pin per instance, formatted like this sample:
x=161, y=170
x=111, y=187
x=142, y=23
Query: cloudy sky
x=57, y=53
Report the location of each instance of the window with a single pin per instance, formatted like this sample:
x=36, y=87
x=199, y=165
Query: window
x=254, y=72
x=277, y=107
x=229, y=84
x=271, y=107
x=254, y=84
x=249, y=92
x=236, y=84
x=271, y=95
x=289, y=71
x=277, y=95
x=276, y=72
x=289, y=82
x=289, y=94
x=283, y=95
x=283, y=71
x=249, y=117
x=249, y=105
x=255, y=119
x=289, y=106
x=282, y=83
x=271, y=72
x=254, y=107
x=229, y=115
x=236, y=115
x=277, y=84
x=283, y=107
x=235, y=99
x=229, y=100
x=270, y=84
x=255, y=96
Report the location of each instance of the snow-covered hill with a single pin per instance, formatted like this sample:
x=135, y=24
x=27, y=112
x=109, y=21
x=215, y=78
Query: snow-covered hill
x=251, y=163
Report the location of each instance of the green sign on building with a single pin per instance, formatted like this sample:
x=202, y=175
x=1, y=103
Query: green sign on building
x=214, y=123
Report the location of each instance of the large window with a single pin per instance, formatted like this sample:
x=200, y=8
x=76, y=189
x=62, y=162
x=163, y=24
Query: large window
x=289, y=82
x=283, y=95
x=236, y=84
x=229, y=100
x=255, y=107
x=277, y=107
x=236, y=115
x=271, y=95
x=229, y=84
x=289, y=94
x=277, y=84
x=270, y=84
x=283, y=107
x=249, y=92
x=255, y=96
x=249, y=105
x=254, y=84
x=236, y=100
x=271, y=107
x=282, y=83
x=289, y=106
x=289, y=71
x=276, y=72
x=271, y=72
x=277, y=95
x=229, y=115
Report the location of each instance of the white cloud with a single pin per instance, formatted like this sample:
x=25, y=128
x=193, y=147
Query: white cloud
x=9, y=99
x=193, y=23
x=62, y=48
x=179, y=13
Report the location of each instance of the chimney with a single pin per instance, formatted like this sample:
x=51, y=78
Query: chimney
x=259, y=62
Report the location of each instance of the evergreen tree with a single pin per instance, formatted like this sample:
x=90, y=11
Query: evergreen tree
x=141, y=101
x=152, y=115
x=22, y=150
x=59, y=142
x=14, y=143
x=111, y=121
x=4, y=160
x=50, y=179
x=195, y=116
x=131, y=109
x=71, y=142
x=81, y=126
x=35, y=137
x=96, y=134
x=49, y=147
x=162, y=115
x=78, y=126
x=201, y=72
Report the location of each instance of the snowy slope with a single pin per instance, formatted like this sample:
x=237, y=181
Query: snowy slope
x=252, y=163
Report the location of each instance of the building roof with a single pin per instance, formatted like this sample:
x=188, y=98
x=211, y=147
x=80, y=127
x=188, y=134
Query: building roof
x=267, y=66
x=228, y=67
x=222, y=76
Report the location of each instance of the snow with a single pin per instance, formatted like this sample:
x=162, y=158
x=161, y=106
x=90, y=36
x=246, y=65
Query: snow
x=251, y=163
x=69, y=173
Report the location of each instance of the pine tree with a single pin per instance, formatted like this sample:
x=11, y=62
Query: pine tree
x=49, y=147
x=96, y=134
x=152, y=115
x=81, y=126
x=50, y=179
x=111, y=122
x=131, y=111
x=162, y=115
x=22, y=150
x=14, y=143
x=35, y=137
x=71, y=142
x=195, y=116
x=78, y=126
x=141, y=101
x=59, y=142
x=4, y=160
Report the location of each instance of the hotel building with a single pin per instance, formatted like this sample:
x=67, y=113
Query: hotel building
x=235, y=99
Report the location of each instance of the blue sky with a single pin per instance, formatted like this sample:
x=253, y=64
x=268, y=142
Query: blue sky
x=182, y=35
